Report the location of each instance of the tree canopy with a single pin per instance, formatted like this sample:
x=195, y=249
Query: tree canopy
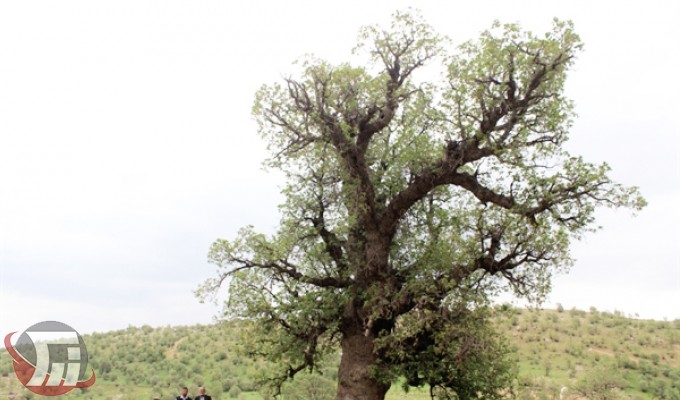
x=410, y=201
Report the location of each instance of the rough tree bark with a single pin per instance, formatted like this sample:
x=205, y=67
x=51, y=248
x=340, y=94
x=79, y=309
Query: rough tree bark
x=354, y=374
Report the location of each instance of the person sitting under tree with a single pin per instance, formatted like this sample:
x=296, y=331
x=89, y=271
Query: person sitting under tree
x=202, y=395
x=184, y=395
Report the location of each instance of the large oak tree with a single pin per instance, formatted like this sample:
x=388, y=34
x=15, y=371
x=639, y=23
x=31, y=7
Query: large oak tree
x=409, y=202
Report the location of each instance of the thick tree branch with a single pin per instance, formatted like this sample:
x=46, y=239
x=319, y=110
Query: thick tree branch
x=377, y=118
x=443, y=172
x=333, y=244
x=482, y=193
x=289, y=270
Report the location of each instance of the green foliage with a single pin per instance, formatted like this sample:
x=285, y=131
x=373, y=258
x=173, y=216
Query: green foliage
x=234, y=392
x=410, y=203
x=600, y=384
x=459, y=356
x=309, y=387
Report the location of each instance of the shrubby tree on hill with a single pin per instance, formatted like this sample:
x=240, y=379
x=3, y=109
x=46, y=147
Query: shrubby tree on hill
x=601, y=384
x=409, y=202
x=309, y=387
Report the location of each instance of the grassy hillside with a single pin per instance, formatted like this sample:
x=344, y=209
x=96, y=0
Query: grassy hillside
x=582, y=350
x=593, y=354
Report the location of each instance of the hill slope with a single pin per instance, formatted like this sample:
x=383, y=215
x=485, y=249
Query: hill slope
x=593, y=355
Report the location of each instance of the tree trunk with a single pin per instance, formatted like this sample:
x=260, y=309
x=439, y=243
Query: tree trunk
x=354, y=378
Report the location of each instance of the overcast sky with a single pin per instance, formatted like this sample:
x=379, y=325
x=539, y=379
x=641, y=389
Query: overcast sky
x=127, y=145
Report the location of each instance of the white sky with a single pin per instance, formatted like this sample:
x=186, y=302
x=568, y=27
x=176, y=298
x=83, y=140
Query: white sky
x=127, y=145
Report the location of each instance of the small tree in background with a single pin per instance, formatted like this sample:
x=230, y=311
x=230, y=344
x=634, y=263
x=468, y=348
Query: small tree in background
x=601, y=384
x=309, y=387
x=409, y=204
